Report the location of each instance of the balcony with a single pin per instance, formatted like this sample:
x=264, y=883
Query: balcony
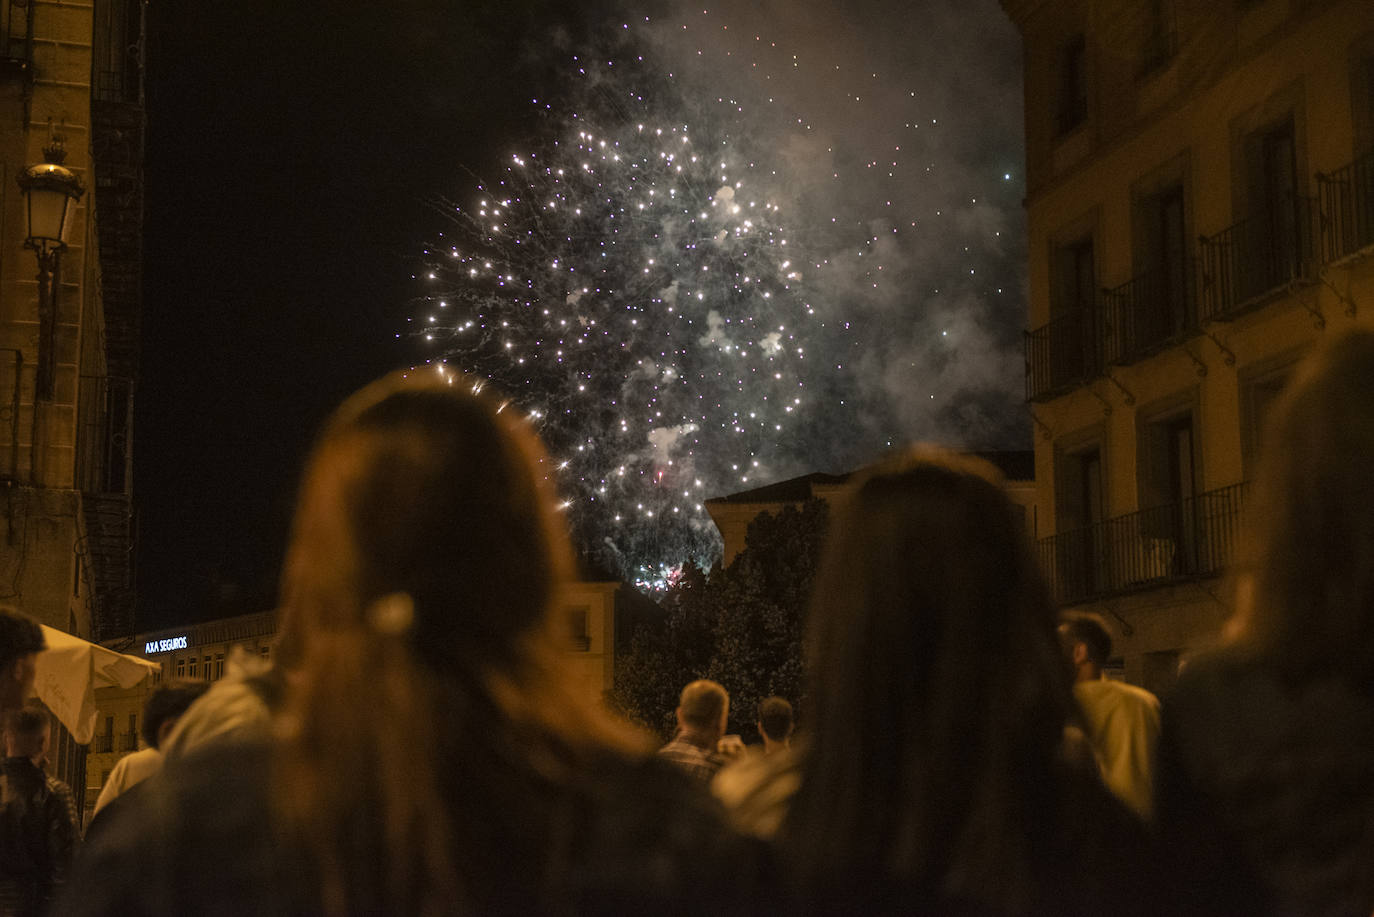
x=128, y=741
x=102, y=744
x=1141, y=550
x=1346, y=200
x=1146, y=313
x=1061, y=354
x=1247, y=262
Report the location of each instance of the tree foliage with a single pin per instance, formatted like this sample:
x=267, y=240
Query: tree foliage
x=741, y=626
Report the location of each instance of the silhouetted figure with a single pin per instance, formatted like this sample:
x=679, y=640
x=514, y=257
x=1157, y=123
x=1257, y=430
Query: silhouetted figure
x=933, y=778
x=1122, y=720
x=21, y=640
x=757, y=788
x=775, y=724
x=432, y=756
x=702, y=712
x=39, y=825
x=161, y=712
x=1265, y=796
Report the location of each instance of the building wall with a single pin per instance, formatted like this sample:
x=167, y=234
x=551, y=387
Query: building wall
x=590, y=612
x=40, y=567
x=1195, y=119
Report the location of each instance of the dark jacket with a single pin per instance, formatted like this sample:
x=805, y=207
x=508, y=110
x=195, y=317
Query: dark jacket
x=38, y=837
x=636, y=837
x=1266, y=793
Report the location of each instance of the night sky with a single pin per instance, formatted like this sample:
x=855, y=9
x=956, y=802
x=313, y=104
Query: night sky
x=295, y=152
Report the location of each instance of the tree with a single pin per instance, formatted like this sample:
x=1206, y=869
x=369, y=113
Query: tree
x=741, y=626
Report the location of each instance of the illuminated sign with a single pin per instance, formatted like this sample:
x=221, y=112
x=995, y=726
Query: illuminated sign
x=162, y=646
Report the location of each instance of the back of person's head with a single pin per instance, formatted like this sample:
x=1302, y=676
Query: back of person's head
x=424, y=513
x=775, y=718
x=1090, y=630
x=1314, y=514
x=26, y=731
x=938, y=689
x=167, y=703
x=20, y=636
x=423, y=561
x=704, y=705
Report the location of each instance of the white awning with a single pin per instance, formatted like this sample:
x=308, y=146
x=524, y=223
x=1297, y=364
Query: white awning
x=70, y=670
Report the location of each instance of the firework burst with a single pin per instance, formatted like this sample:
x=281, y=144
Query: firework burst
x=631, y=285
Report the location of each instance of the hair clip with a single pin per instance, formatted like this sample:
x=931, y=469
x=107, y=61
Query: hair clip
x=393, y=613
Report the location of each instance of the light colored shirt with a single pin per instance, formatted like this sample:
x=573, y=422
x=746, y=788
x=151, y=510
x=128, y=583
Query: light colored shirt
x=129, y=770
x=1123, y=724
x=757, y=791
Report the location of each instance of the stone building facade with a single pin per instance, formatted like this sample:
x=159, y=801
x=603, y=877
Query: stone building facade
x=1200, y=205
x=71, y=85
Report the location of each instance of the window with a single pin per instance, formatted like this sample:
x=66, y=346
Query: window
x=1073, y=85
x=265, y=651
x=1081, y=500
x=1072, y=344
x=1270, y=239
x=578, y=630
x=1167, y=477
x=1077, y=277
x=181, y=668
x=1163, y=300
x=191, y=667
x=1161, y=41
x=219, y=666
x=1080, y=507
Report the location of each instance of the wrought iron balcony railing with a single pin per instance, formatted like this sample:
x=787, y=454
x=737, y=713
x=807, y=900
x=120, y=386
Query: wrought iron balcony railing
x=1346, y=200
x=128, y=741
x=101, y=744
x=1193, y=538
x=1062, y=353
x=1248, y=260
x=1147, y=312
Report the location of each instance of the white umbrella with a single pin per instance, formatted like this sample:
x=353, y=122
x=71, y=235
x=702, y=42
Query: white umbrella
x=70, y=670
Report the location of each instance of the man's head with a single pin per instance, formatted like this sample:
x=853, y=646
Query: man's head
x=165, y=706
x=775, y=722
x=703, y=710
x=26, y=732
x=21, y=640
x=1087, y=643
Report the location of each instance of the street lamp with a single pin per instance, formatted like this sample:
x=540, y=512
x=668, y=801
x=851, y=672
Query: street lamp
x=49, y=190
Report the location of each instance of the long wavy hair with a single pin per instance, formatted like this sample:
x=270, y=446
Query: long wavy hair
x=1313, y=514
x=938, y=694
x=417, y=636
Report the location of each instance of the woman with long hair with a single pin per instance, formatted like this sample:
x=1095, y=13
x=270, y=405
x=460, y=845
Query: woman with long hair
x=934, y=776
x=1266, y=757
x=430, y=756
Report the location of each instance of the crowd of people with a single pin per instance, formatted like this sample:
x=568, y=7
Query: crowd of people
x=419, y=748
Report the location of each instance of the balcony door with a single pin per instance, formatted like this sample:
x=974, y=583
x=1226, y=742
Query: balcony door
x=1164, y=306
x=1272, y=241
x=1168, y=517
x=1071, y=339
x=1081, y=510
